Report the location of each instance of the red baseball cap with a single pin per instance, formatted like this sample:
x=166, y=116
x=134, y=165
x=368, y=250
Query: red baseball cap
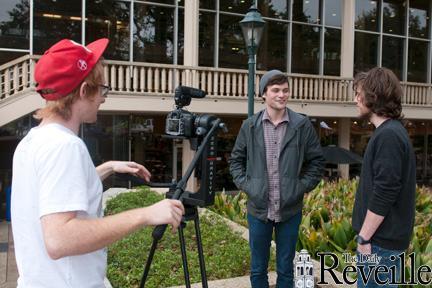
x=65, y=65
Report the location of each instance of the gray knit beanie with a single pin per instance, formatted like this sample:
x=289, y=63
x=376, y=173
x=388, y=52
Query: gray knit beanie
x=265, y=79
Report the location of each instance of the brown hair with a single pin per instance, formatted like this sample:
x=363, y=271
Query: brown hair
x=358, y=79
x=63, y=106
x=382, y=92
x=278, y=79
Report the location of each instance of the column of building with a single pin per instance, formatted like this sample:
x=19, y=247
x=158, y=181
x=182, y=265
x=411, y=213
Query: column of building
x=190, y=58
x=347, y=68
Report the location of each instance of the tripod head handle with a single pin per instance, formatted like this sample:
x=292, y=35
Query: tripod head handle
x=138, y=181
x=159, y=230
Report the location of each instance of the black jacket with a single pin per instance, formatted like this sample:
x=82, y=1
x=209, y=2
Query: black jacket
x=387, y=186
x=301, y=164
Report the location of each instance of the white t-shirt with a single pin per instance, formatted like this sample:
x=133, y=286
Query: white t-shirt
x=53, y=172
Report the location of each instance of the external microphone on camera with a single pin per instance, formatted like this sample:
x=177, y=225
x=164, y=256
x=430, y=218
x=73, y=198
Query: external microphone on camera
x=192, y=92
x=184, y=94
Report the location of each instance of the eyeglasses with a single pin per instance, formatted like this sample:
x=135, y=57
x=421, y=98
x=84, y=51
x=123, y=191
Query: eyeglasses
x=104, y=90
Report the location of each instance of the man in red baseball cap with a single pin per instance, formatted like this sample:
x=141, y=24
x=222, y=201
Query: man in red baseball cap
x=59, y=231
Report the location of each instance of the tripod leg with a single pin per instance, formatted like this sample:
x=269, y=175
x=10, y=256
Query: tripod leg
x=184, y=256
x=200, y=251
x=148, y=263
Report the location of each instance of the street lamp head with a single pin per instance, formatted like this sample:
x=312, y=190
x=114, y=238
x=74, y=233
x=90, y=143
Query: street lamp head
x=252, y=26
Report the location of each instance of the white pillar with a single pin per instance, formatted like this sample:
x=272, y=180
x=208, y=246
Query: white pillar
x=190, y=58
x=191, y=33
x=347, y=70
x=347, y=41
x=344, y=129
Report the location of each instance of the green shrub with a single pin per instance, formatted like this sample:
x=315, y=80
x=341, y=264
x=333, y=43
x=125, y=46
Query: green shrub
x=226, y=253
x=232, y=207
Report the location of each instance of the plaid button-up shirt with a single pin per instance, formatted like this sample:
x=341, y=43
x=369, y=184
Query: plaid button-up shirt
x=273, y=136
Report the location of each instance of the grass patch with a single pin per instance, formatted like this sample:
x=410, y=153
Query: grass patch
x=226, y=253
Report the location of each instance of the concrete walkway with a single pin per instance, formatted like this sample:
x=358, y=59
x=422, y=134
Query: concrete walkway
x=8, y=269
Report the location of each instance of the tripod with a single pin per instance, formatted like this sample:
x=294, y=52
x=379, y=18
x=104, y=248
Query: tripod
x=190, y=203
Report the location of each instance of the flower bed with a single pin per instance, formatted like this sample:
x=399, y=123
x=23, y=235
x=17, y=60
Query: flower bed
x=326, y=224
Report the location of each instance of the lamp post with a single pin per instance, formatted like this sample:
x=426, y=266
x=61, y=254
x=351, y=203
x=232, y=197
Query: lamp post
x=252, y=26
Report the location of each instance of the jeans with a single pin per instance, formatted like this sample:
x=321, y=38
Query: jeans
x=260, y=236
x=384, y=261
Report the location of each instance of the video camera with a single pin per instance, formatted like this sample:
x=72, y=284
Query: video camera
x=181, y=123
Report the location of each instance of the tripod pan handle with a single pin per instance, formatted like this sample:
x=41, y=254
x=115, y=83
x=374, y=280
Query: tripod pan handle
x=158, y=231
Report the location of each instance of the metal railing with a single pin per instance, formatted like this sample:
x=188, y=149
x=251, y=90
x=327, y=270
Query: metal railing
x=143, y=79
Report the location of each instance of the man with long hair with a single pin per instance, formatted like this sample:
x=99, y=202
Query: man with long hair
x=59, y=230
x=384, y=208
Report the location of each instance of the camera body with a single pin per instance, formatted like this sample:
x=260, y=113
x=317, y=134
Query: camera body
x=181, y=123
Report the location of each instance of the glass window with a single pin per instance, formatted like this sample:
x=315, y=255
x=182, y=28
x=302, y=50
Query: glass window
x=272, y=50
x=419, y=18
x=6, y=56
x=109, y=19
x=14, y=24
x=207, y=4
x=17, y=129
x=365, y=51
x=333, y=13
x=417, y=61
x=305, y=49
x=101, y=137
x=180, y=36
x=108, y=140
x=150, y=148
x=206, y=39
x=332, y=51
x=232, y=52
x=392, y=55
x=163, y=1
x=153, y=34
x=55, y=20
x=274, y=8
x=366, y=15
x=394, y=16
x=306, y=11
x=235, y=6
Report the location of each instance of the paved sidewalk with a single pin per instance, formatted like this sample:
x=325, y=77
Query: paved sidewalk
x=238, y=282
x=8, y=269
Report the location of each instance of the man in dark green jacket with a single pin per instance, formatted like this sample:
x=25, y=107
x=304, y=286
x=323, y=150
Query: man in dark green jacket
x=276, y=159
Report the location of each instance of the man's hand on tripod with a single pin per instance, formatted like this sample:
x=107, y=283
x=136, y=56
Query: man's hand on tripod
x=167, y=211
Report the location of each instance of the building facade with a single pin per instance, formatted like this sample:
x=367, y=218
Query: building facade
x=157, y=45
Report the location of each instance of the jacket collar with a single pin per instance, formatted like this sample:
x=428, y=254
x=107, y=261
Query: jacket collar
x=295, y=119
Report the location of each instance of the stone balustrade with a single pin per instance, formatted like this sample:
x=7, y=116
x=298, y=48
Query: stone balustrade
x=161, y=79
